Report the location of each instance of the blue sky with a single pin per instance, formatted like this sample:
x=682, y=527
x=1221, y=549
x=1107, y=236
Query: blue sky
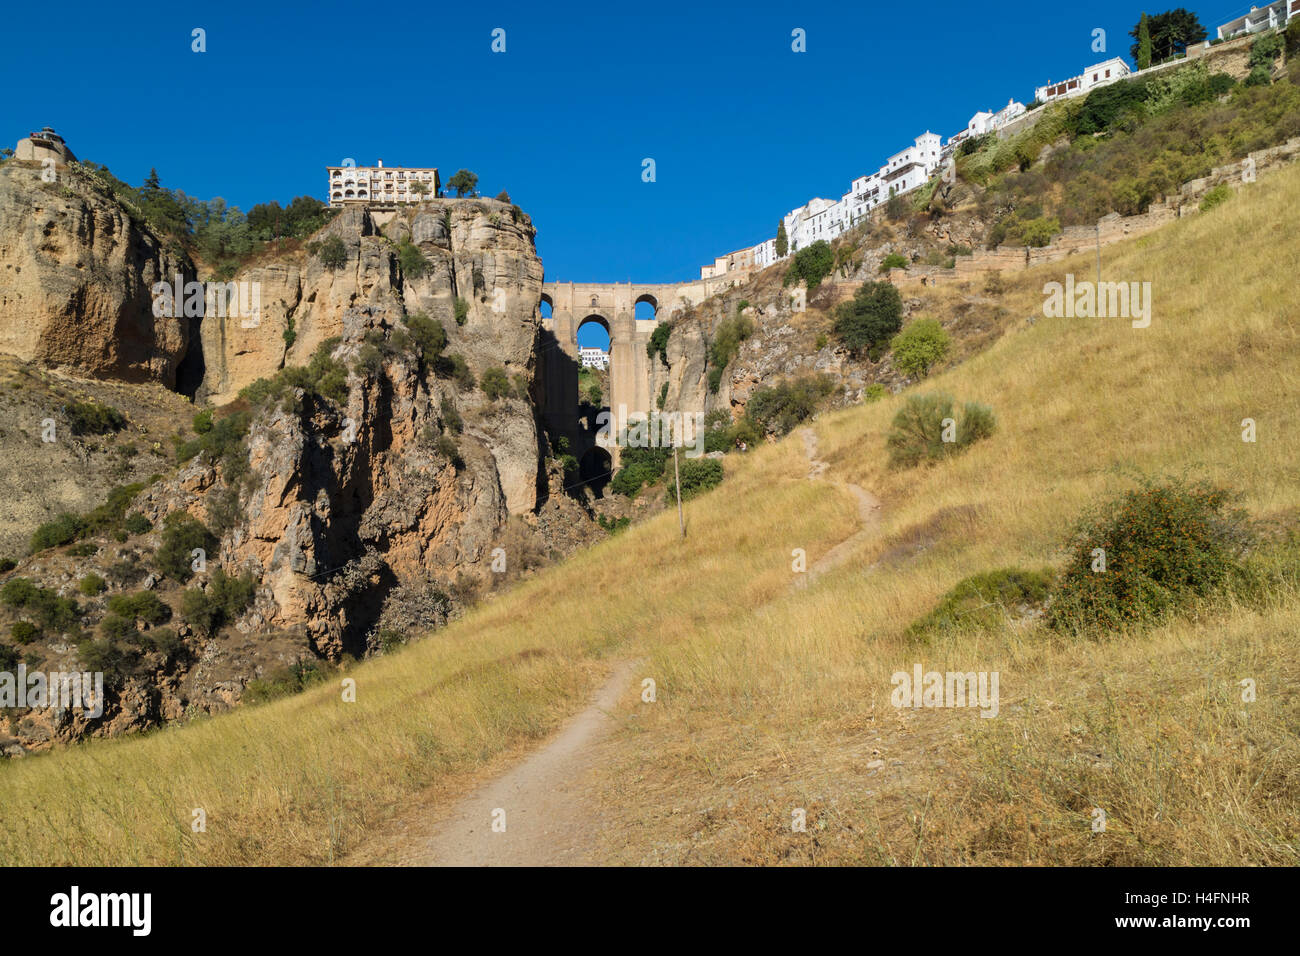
x=741, y=128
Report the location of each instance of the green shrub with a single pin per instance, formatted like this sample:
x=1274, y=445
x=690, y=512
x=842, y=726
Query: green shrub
x=494, y=383
x=870, y=318
x=812, y=264
x=44, y=604
x=1216, y=196
x=919, y=346
x=17, y=592
x=322, y=377
x=203, y=422
x=332, y=253
x=874, y=392
x=118, y=629
x=448, y=449
x=91, y=584
x=658, y=344
x=1154, y=548
x=638, y=467
x=894, y=261
x=142, y=605
x=727, y=337
x=985, y=601
x=451, y=417
x=182, y=535
x=698, y=475
x=613, y=525
x=429, y=336
x=461, y=311
x=715, y=378
x=62, y=530
x=777, y=409
x=414, y=264
x=663, y=396
x=225, y=599
x=1265, y=50
x=24, y=632
x=7, y=564
x=926, y=428
x=91, y=418
x=136, y=523
x=282, y=683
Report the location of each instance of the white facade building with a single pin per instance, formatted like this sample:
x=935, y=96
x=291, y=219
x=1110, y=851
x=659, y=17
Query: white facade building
x=1099, y=74
x=592, y=357
x=380, y=186
x=825, y=219
x=1271, y=17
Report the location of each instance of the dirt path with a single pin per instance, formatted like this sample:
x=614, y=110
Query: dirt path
x=868, y=513
x=547, y=814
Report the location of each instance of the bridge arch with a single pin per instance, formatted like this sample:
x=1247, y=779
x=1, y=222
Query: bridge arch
x=646, y=299
x=546, y=306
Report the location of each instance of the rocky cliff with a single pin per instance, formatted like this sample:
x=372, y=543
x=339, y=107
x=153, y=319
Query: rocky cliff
x=371, y=481
x=76, y=270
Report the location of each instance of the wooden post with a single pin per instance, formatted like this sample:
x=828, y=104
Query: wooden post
x=677, y=479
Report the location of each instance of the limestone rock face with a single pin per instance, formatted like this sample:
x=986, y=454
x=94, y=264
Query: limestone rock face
x=76, y=274
x=349, y=503
x=477, y=250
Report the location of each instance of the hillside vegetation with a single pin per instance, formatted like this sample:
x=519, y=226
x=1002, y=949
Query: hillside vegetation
x=773, y=697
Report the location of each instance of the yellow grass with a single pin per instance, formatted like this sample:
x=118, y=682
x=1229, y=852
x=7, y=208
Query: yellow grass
x=772, y=698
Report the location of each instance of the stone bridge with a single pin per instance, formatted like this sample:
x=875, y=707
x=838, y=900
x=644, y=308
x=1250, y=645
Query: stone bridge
x=631, y=377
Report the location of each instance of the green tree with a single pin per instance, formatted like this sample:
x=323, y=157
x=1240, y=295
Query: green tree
x=464, y=182
x=812, y=264
x=1170, y=32
x=919, y=346
x=782, y=240
x=869, y=319
x=1144, y=43
x=333, y=254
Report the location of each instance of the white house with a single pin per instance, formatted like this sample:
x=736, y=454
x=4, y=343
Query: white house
x=1274, y=16
x=592, y=357
x=376, y=185
x=1099, y=74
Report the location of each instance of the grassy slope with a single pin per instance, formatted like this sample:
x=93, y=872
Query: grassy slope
x=772, y=697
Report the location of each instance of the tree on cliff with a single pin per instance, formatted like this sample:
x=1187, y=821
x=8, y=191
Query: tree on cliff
x=870, y=318
x=1171, y=32
x=782, y=240
x=464, y=182
x=1144, y=43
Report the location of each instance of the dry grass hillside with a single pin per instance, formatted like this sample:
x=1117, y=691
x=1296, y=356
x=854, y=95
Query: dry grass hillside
x=772, y=697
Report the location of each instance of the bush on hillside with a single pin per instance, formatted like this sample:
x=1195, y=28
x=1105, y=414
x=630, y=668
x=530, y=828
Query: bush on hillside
x=1216, y=196
x=894, y=261
x=332, y=253
x=91, y=418
x=494, y=383
x=728, y=335
x=778, y=409
x=1147, y=552
x=698, y=476
x=986, y=601
x=658, y=344
x=927, y=429
x=225, y=599
x=638, y=467
x=182, y=535
x=810, y=265
x=919, y=346
x=870, y=318
x=142, y=605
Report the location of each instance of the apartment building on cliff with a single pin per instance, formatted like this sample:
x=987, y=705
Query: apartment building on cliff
x=381, y=186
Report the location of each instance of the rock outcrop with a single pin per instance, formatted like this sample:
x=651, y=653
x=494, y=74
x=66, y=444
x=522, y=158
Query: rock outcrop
x=76, y=274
